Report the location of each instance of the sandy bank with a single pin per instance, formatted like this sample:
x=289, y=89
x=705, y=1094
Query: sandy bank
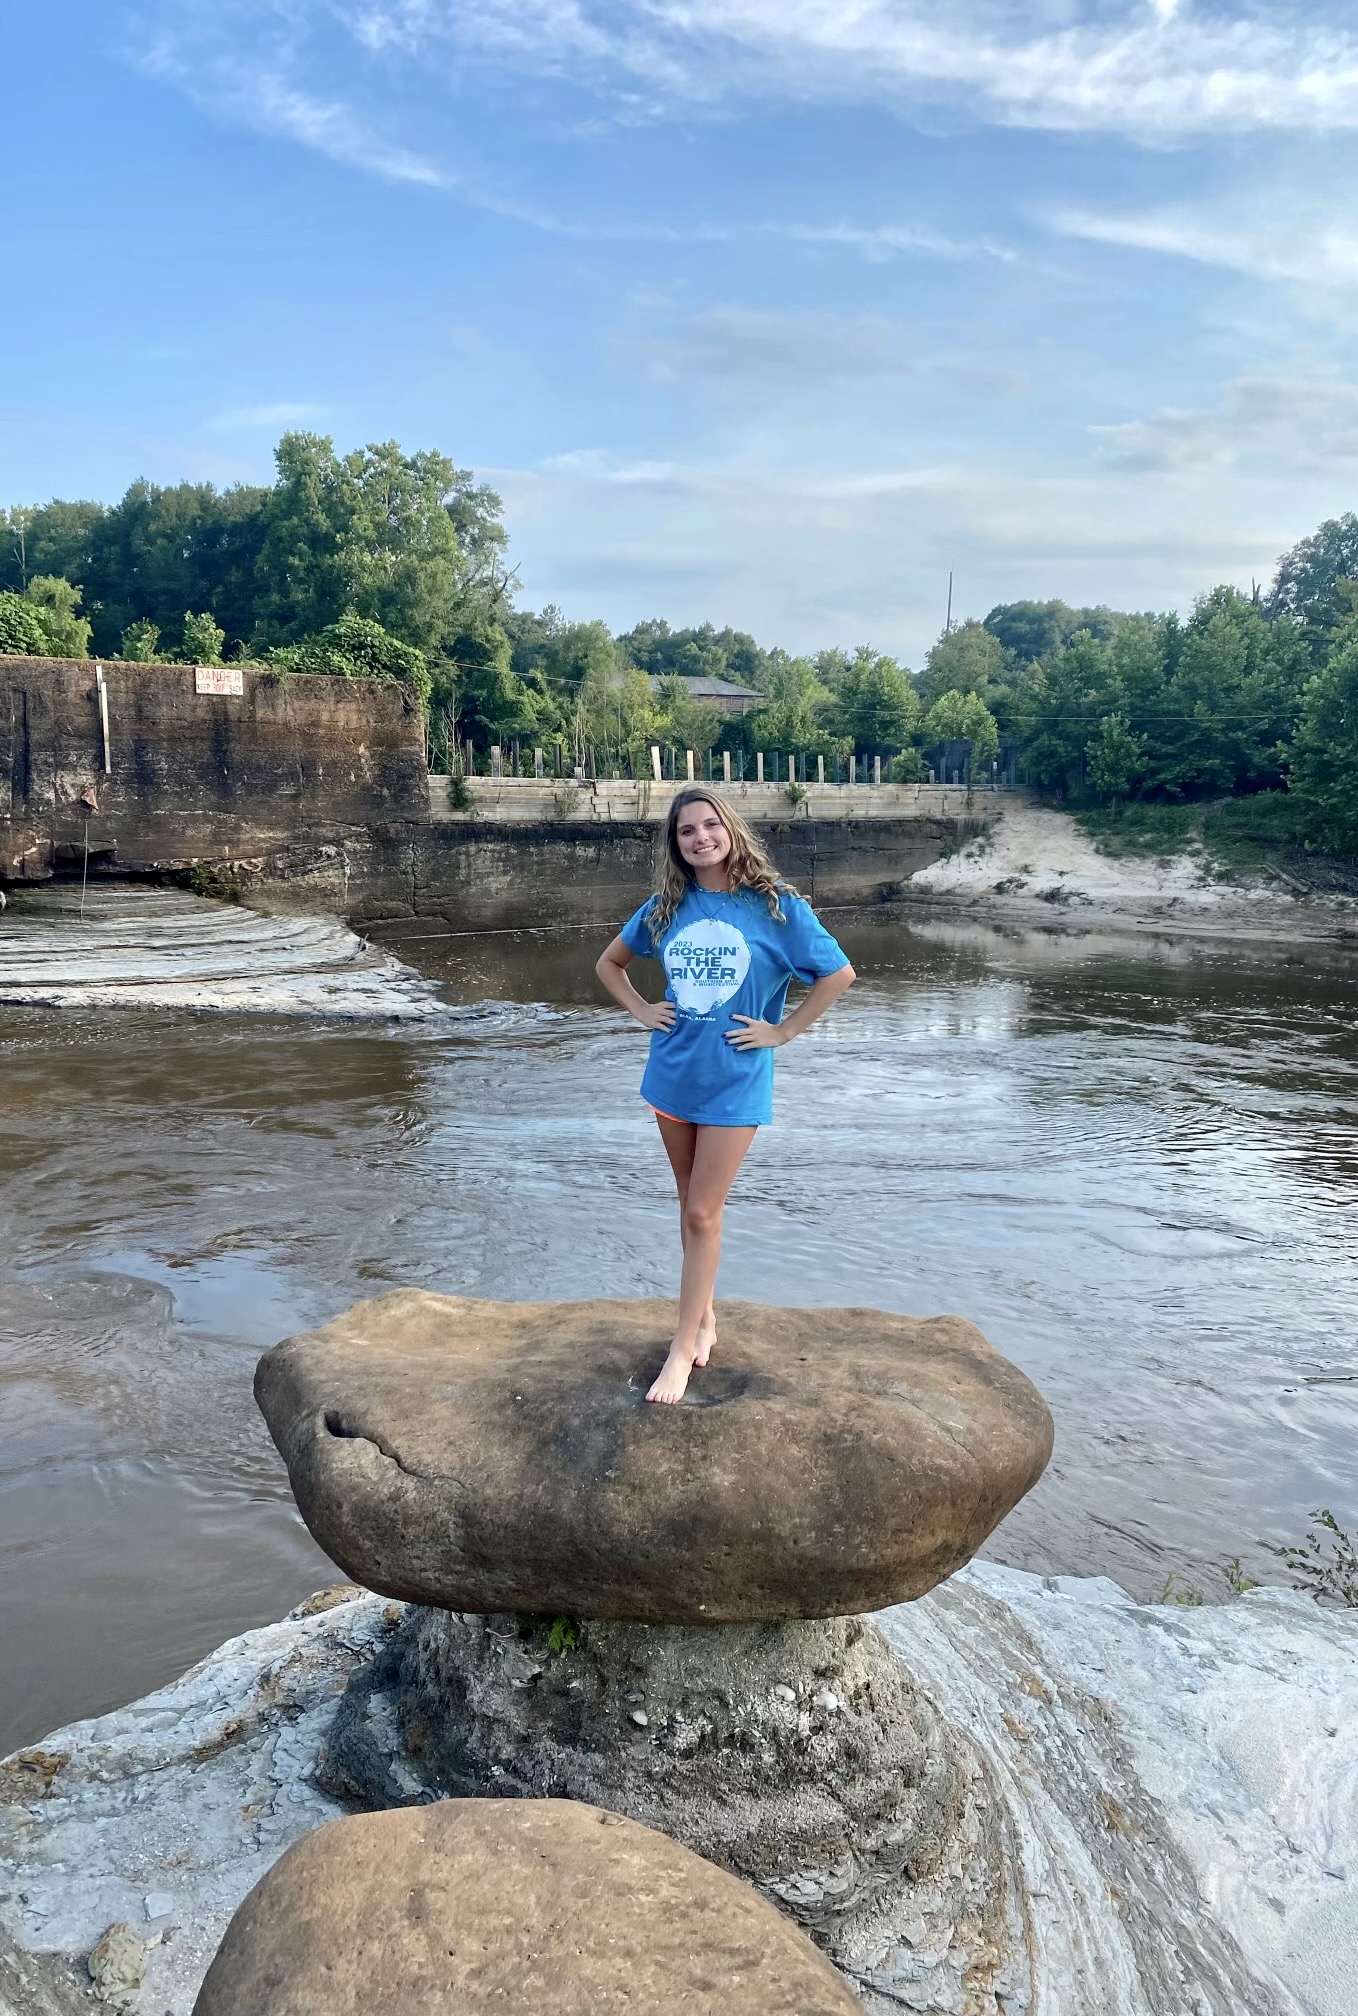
x=1037, y=864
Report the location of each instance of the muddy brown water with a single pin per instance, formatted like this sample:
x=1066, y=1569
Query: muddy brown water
x=1133, y=1162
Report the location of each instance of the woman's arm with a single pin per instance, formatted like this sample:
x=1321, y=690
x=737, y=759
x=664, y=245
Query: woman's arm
x=770, y=1035
x=612, y=967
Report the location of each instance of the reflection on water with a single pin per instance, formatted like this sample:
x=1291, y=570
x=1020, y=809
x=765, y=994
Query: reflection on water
x=1134, y=1166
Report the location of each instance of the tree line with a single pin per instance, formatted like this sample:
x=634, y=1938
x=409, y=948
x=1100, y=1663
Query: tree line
x=389, y=565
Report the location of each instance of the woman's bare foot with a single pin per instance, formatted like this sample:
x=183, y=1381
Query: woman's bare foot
x=707, y=1337
x=672, y=1384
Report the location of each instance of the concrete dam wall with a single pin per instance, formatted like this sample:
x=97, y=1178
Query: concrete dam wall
x=522, y=854
x=181, y=776
x=311, y=794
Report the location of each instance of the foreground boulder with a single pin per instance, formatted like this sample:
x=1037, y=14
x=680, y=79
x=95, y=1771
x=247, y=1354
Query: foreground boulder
x=490, y=1456
x=520, y=1908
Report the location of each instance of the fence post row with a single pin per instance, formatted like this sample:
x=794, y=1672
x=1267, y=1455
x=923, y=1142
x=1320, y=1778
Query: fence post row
x=952, y=765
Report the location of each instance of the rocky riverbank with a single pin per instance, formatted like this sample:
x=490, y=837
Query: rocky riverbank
x=1174, y=1792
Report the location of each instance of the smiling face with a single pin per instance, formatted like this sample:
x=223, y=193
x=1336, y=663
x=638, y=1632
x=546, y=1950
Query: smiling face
x=701, y=837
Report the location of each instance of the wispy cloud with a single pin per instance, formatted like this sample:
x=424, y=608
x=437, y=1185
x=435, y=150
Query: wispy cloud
x=244, y=61
x=738, y=479
x=876, y=242
x=762, y=358
x=753, y=348
x=1151, y=69
x=1275, y=240
x=277, y=413
x=254, y=79
x=891, y=241
x=1284, y=424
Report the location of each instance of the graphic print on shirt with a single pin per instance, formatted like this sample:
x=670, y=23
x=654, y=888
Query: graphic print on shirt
x=706, y=963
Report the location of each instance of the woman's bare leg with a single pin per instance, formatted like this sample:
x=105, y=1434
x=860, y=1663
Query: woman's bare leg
x=681, y=1140
x=718, y=1154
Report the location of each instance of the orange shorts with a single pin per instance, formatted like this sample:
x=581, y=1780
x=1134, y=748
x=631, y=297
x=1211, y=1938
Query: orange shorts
x=684, y=1123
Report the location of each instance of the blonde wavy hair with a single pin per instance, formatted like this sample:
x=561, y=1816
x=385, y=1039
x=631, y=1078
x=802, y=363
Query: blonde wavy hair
x=747, y=865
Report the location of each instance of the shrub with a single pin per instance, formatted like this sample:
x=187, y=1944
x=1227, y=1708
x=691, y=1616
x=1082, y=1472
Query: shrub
x=21, y=632
x=203, y=639
x=56, y=603
x=141, y=642
x=1326, y=1562
x=358, y=648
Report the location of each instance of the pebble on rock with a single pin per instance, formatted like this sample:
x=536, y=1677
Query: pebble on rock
x=117, y=1966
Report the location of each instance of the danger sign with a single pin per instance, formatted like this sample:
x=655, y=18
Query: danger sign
x=219, y=679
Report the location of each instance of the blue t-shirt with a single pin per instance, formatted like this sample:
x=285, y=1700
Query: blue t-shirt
x=725, y=956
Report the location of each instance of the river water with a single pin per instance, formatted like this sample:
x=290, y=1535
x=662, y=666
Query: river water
x=1133, y=1162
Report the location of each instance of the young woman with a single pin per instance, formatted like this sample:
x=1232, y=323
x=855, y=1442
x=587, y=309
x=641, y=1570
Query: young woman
x=731, y=936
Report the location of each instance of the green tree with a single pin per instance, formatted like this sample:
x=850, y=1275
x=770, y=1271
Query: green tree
x=1309, y=585
x=1324, y=763
x=615, y=712
x=203, y=639
x=57, y=605
x=47, y=539
x=158, y=552
x=799, y=716
x=877, y=707
x=577, y=654
x=478, y=694
x=21, y=631
x=1029, y=631
x=1058, y=704
x=141, y=642
x=957, y=717
x=405, y=540
x=398, y=550
x=301, y=580
x=1116, y=759
x=1229, y=701
x=966, y=659
x=704, y=652
x=681, y=722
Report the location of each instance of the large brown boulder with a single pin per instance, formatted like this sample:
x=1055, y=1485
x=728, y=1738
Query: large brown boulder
x=501, y=1456
x=537, y=1907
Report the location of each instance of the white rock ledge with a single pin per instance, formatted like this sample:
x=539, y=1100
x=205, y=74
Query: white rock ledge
x=162, y=948
x=1180, y=1791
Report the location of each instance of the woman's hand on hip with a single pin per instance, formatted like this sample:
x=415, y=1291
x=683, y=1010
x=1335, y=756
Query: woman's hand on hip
x=656, y=1015
x=755, y=1035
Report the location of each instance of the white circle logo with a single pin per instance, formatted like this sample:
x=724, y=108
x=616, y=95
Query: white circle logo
x=706, y=965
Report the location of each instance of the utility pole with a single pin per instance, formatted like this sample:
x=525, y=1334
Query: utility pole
x=948, y=624
x=18, y=524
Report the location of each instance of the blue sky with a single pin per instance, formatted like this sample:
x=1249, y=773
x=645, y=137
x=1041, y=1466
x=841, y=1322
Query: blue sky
x=763, y=311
